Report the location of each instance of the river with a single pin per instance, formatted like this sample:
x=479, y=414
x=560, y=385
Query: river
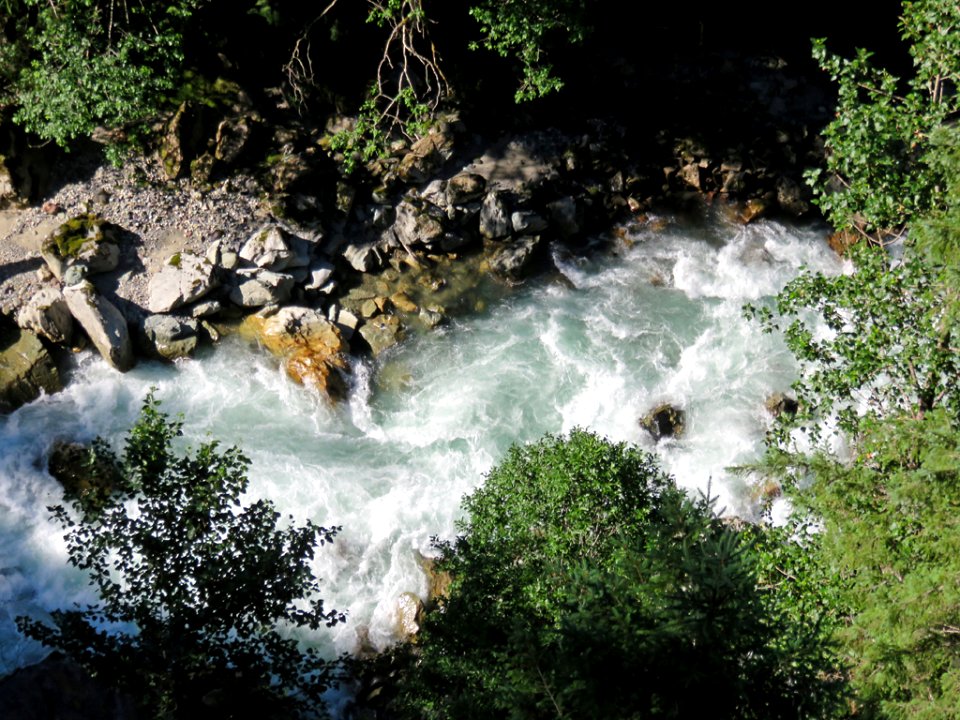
x=656, y=319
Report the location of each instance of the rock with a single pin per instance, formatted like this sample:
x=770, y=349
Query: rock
x=47, y=315
x=431, y=318
x=664, y=421
x=364, y=257
x=82, y=240
x=345, y=320
x=59, y=688
x=179, y=141
x=26, y=369
x=565, y=216
x=171, y=337
x=514, y=259
x=403, y=302
x=752, y=209
x=85, y=474
x=527, y=222
x=438, y=581
x=777, y=404
x=320, y=273
x=312, y=347
x=187, y=277
x=409, y=615
x=791, y=198
x=416, y=227
x=465, y=187
x=426, y=156
x=841, y=242
x=103, y=324
x=261, y=288
x=382, y=333
x=267, y=248
x=692, y=175
x=494, y=221
x=206, y=308
x=231, y=139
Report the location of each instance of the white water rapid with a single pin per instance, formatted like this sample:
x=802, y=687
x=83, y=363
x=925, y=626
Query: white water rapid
x=658, y=320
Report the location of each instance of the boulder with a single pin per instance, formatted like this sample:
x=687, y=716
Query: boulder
x=513, y=260
x=664, y=421
x=465, y=187
x=102, y=322
x=82, y=240
x=527, y=222
x=382, y=333
x=416, y=227
x=261, y=288
x=426, y=156
x=232, y=136
x=409, y=616
x=791, y=198
x=778, y=404
x=565, y=216
x=319, y=275
x=184, y=279
x=26, y=369
x=47, y=315
x=85, y=474
x=171, y=337
x=364, y=257
x=313, y=349
x=494, y=221
x=268, y=248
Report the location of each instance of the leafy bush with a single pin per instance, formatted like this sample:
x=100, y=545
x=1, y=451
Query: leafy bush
x=586, y=584
x=195, y=587
x=878, y=174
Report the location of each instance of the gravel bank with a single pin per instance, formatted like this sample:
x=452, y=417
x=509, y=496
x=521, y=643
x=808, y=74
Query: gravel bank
x=156, y=219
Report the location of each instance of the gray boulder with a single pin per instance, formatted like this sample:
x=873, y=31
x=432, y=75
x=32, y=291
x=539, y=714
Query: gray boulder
x=268, y=248
x=260, y=288
x=514, y=259
x=494, y=221
x=47, y=315
x=171, y=337
x=527, y=222
x=364, y=257
x=465, y=187
x=416, y=227
x=187, y=277
x=103, y=323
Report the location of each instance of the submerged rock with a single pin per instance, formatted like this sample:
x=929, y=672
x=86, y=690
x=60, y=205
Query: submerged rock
x=664, y=421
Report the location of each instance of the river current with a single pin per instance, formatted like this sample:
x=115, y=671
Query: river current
x=657, y=319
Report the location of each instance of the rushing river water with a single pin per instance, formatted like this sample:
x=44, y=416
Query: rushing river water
x=657, y=320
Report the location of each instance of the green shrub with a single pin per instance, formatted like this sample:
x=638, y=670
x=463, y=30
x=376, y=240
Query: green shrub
x=586, y=584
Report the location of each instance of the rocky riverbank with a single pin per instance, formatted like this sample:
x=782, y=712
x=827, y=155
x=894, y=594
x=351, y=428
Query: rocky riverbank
x=157, y=257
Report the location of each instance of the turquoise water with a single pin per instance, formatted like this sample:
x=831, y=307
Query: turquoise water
x=595, y=346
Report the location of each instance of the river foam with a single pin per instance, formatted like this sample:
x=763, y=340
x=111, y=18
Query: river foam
x=595, y=346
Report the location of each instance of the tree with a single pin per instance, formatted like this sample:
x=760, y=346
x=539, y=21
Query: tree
x=195, y=587
x=586, y=584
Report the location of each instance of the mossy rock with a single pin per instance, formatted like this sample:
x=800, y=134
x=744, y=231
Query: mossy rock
x=88, y=473
x=76, y=233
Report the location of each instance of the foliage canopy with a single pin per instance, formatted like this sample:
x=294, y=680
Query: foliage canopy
x=195, y=586
x=586, y=584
